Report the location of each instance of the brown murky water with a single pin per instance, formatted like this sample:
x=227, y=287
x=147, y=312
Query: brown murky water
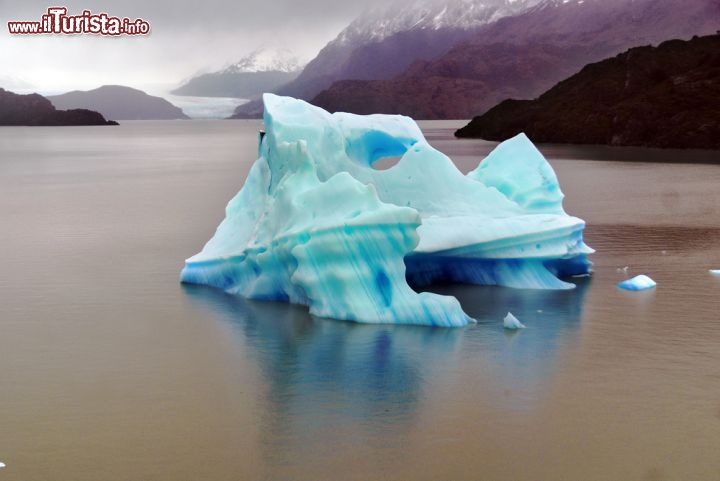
x=110, y=370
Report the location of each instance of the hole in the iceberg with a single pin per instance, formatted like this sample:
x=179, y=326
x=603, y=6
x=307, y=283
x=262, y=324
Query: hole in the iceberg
x=371, y=146
x=386, y=163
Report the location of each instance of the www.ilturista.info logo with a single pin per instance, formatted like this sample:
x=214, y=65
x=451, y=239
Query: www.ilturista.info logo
x=57, y=21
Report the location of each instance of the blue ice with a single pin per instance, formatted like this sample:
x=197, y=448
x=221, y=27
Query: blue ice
x=637, y=283
x=316, y=224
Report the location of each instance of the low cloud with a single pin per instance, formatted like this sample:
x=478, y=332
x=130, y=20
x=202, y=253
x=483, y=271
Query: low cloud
x=186, y=37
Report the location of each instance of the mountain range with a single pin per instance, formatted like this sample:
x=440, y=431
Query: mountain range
x=664, y=96
x=445, y=63
x=383, y=42
x=119, y=102
x=523, y=55
x=260, y=71
x=36, y=110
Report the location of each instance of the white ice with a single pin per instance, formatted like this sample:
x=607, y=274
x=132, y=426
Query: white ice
x=511, y=322
x=637, y=283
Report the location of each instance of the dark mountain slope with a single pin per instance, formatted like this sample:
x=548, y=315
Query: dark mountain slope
x=234, y=84
x=463, y=84
x=665, y=96
x=523, y=55
x=34, y=109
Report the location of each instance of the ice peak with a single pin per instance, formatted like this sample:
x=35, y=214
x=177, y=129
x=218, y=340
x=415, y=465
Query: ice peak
x=267, y=60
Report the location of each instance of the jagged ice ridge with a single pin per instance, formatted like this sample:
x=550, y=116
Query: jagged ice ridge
x=316, y=224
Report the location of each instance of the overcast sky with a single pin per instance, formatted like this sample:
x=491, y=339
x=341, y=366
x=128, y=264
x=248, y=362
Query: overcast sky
x=186, y=37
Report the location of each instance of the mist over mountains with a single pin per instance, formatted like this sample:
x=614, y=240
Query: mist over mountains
x=383, y=42
x=448, y=60
x=260, y=71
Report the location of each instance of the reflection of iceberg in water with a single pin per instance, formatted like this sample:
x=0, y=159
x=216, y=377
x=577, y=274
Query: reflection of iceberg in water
x=367, y=364
x=331, y=385
x=523, y=362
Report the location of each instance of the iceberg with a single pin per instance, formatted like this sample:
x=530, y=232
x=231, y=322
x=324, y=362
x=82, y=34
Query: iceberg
x=637, y=283
x=512, y=323
x=714, y=272
x=317, y=224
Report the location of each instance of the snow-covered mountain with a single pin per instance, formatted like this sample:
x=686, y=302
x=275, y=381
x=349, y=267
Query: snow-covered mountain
x=267, y=60
x=260, y=71
x=523, y=55
x=384, y=41
x=401, y=16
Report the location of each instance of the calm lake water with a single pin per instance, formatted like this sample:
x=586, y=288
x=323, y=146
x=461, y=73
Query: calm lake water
x=111, y=370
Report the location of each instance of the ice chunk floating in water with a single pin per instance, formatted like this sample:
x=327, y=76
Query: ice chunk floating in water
x=316, y=224
x=637, y=283
x=511, y=322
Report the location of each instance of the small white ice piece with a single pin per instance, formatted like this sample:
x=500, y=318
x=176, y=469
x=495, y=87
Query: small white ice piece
x=715, y=272
x=2, y=465
x=511, y=322
x=637, y=283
